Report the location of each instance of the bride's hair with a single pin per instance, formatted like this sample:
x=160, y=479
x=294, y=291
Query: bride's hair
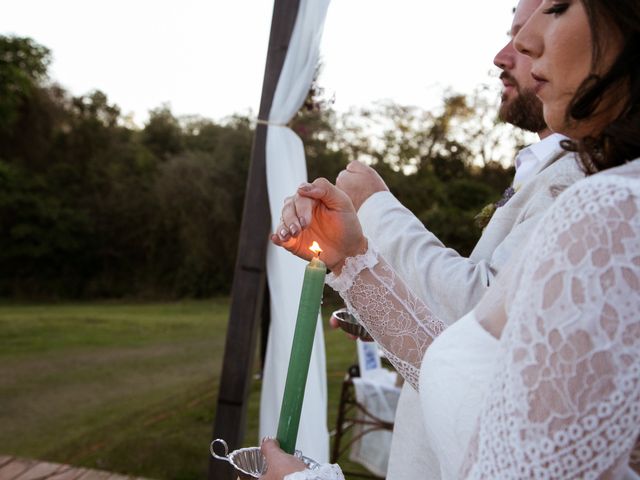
x=619, y=142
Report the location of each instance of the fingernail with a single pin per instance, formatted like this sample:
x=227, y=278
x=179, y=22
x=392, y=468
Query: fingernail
x=305, y=187
x=284, y=234
x=265, y=438
x=294, y=230
x=302, y=221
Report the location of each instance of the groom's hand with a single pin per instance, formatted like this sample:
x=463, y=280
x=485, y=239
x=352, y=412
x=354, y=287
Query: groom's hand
x=360, y=181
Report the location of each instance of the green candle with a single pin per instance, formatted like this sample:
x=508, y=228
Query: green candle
x=304, y=333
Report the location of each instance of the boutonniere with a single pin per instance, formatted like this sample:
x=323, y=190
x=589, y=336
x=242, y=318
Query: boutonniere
x=482, y=219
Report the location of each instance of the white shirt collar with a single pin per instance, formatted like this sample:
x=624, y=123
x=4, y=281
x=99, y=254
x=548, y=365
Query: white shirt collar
x=529, y=159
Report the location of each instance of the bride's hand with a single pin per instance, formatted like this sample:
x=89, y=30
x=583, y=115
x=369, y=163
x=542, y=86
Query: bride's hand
x=319, y=211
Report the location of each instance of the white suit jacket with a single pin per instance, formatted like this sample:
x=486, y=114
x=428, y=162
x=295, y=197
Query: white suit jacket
x=449, y=283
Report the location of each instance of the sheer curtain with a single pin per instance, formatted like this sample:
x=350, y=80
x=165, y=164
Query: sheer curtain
x=286, y=169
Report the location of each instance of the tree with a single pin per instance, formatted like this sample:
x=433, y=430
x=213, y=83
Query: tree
x=162, y=134
x=433, y=161
x=92, y=206
x=315, y=125
x=23, y=67
x=200, y=197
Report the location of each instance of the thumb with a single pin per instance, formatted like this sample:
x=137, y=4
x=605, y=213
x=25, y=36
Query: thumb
x=270, y=447
x=279, y=463
x=323, y=190
x=356, y=166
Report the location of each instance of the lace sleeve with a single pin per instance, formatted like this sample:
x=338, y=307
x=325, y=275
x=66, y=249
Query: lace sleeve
x=326, y=471
x=397, y=319
x=566, y=400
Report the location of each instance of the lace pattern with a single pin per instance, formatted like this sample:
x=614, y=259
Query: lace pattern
x=326, y=471
x=352, y=267
x=566, y=402
x=396, y=318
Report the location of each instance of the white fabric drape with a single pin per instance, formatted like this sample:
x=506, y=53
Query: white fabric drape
x=286, y=169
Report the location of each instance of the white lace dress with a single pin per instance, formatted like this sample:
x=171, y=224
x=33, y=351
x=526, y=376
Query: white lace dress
x=558, y=396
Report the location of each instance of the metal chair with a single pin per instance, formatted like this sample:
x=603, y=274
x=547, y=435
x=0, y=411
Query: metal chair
x=351, y=414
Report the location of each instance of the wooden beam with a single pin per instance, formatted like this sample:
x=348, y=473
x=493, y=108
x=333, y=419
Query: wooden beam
x=249, y=280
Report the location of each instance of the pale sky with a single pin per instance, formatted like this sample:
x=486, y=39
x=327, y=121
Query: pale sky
x=207, y=57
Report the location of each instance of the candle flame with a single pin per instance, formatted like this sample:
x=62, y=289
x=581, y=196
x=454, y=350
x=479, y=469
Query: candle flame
x=315, y=248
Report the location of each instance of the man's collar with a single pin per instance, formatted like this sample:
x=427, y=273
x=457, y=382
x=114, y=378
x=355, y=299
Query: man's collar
x=532, y=159
x=547, y=146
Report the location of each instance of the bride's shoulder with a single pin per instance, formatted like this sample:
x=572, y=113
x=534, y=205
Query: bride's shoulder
x=624, y=179
x=628, y=173
x=610, y=198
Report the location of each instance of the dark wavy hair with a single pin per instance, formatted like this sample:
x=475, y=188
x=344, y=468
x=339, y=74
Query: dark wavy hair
x=619, y=142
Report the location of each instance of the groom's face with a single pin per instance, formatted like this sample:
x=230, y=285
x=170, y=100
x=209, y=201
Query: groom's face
x=519, y=106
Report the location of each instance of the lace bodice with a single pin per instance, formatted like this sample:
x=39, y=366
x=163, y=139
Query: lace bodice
x=565, y=401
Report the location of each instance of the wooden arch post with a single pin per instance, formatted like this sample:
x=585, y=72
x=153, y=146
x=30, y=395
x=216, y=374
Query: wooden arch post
x=248, y=296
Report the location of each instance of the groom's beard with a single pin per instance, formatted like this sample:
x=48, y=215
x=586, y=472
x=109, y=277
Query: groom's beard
x=524, y=111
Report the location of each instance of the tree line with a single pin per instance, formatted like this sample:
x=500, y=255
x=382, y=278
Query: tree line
x=92, y=206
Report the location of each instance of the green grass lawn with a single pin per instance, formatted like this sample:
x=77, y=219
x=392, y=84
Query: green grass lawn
x=125, y=387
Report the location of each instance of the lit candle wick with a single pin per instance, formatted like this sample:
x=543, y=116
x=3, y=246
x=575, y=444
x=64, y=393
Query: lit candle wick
x=315, y=248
